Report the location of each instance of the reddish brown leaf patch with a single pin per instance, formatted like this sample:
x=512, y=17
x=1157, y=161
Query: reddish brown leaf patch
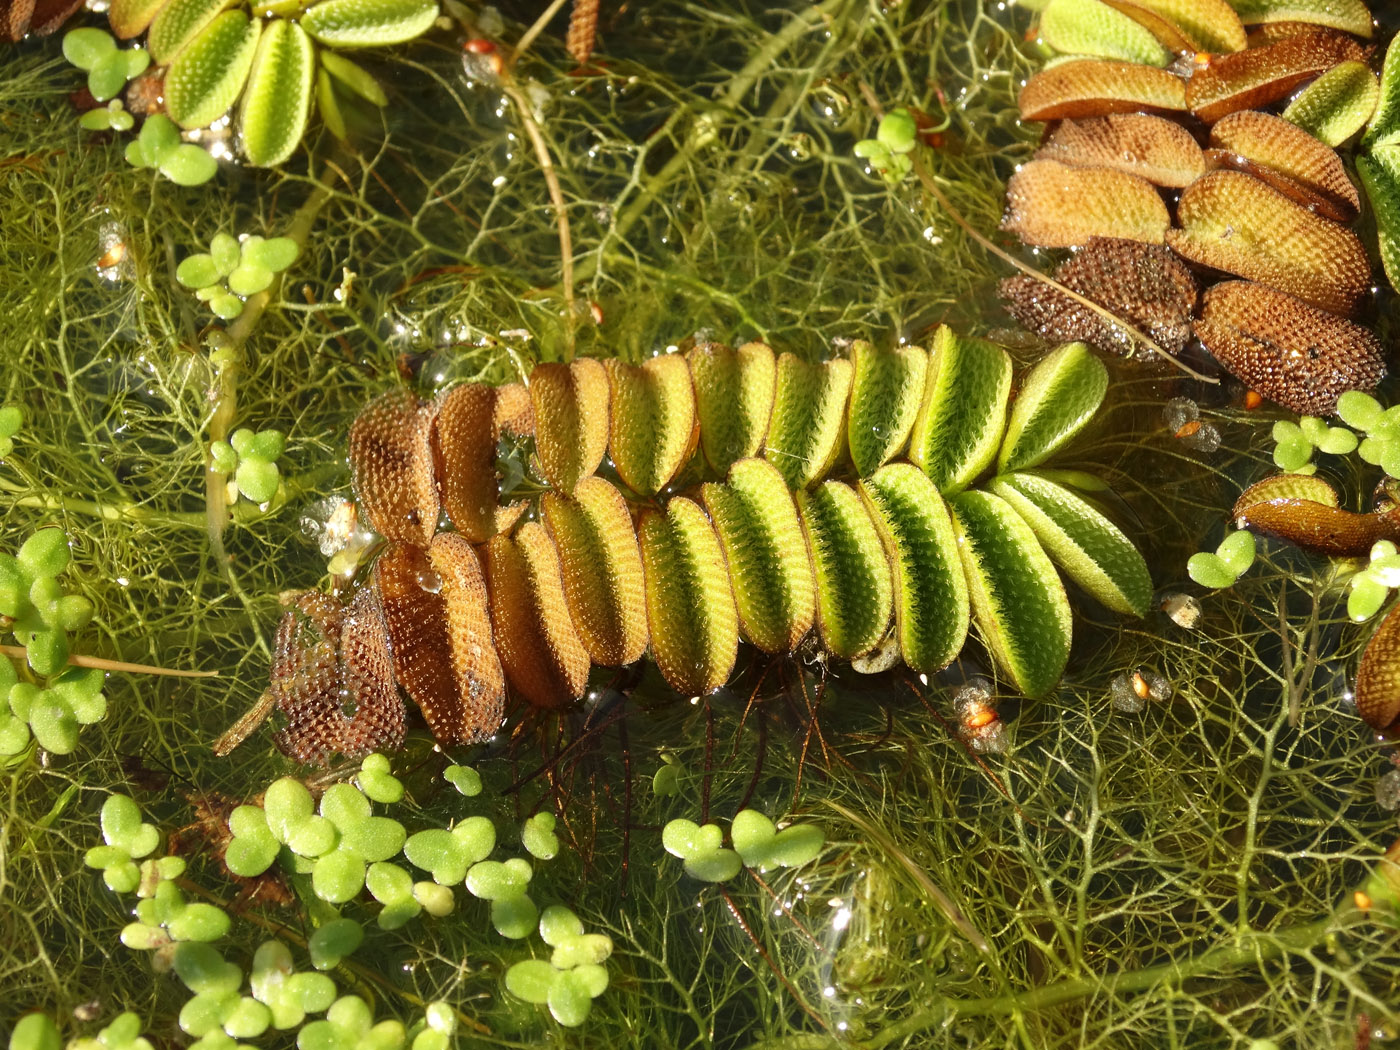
x=1093, y=87
x=1153, y=148
x=1053, y=205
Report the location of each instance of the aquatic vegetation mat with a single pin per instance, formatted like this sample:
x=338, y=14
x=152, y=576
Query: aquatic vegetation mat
x=1169, y=842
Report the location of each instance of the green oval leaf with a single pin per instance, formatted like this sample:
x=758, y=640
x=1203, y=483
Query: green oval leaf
x=88, y=46
x=1089, y=27
x=273, y=113
x=354, y=77
x=369, y=23
x=1350, y=16
x=1380, y=177
x=1061, y=395
x=930, y=589
x=1384, y=129
x=1081, y=541
x=885, y=395
x=1018, y=601
x=179, y=22
x=208, y=75
x=806, y=433
x=1336, y=105
x=961, y=421
x=855, y=592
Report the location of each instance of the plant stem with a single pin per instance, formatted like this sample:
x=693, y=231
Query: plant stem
x=102, y=664
x=1247, y=949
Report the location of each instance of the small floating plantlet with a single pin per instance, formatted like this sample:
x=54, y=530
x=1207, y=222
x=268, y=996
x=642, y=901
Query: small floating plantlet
x=234, y=269
x=275, y=62
x=249, y=458
x=1231, y=560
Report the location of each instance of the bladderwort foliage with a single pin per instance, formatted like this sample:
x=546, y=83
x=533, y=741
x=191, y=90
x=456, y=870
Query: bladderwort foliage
x=1184, y=871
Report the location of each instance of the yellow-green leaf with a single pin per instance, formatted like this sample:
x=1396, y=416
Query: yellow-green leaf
x=1380, y=177
x=963, y=415
x=690, y=605
x=809, y=418
x=177, y=23
x=1081, y=541
x=733, y=400
x=272, y=116
x=1059, y=396
x=208, y=75
x=886, y=392
x=1018, y=601
x=854, y=588
x=930, y=587
x=1350, y=16
x=1384, y=129
x=1336, y=105
x=369, y=23
x=1088, y=27
x=769, y=569
x=653, y=421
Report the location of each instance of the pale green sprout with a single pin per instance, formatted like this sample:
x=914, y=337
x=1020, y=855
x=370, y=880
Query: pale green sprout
x=888, y=152
x=159, y=146
x=331, y=943
x=376, y=781
x=166, y=917
x=572, y=977
x=127, y=840
x=1232, y=558
x=289, y=995
x=124, y=1033
x=667, y=779
x=251, y=458
x=349, y=1025
x=1372, y=585
x=439, y=1026
x=234, y=269
x=31, y=597
x=108, y=67
x=538, y=837
x=111, y=117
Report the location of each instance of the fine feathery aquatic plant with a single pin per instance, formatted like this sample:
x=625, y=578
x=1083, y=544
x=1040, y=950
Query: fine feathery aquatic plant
x=888, y=568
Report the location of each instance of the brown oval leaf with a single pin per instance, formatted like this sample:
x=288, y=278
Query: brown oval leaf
x=391, y=462
x=470, y=419
x=1053, y=205
x=1093, y=87
x=1153, y=148
x=1204, y=25
x=540, y=650
x=1302, y=357
x=1378, y=680
x=1316, y=527
x=1261, y=75
x=1144, y=284
x=571, y=420
x=1278, y=146
x=1234, y=222
x=435, y=610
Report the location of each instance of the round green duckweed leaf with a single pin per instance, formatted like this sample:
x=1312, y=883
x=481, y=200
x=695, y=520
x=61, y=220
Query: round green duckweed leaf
x=1337, y=441
x=286, y=803
x=389, y=883
x=275, y=254
x=1359, y=409
x=714, y=866
x=465, y=779
x=440, y=853
x=275, y=104
x=580, y=950
x=436, y=900
x=333, y=941
x=753, y=835
x=338, y=877
x=1236, y=552
x=1293, y=456
x=493, y=880
x=530, y=979
x=373, y=839
x=898, y=131
x=538, y=837
x=198, y=922
x=120, y=819
x=35, y=1032
x=248, y=1020
x=45, y=553
x=477, y=836
x=189, y=165
x=569, y=999
x=198, y=271
x=593, y=977
x=123, y=877
x=1366, y=598
x=1209, y=571
x=107, y=78
x=53, y=725
x=250, y=856
x=345, y=806
x=514, y=917
x=369, y=23
x=88, y=46
x=684, y=838
x=249, y=280
x=204, y=970
x=257, y=479
x=558, y=924
x=796, y=846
